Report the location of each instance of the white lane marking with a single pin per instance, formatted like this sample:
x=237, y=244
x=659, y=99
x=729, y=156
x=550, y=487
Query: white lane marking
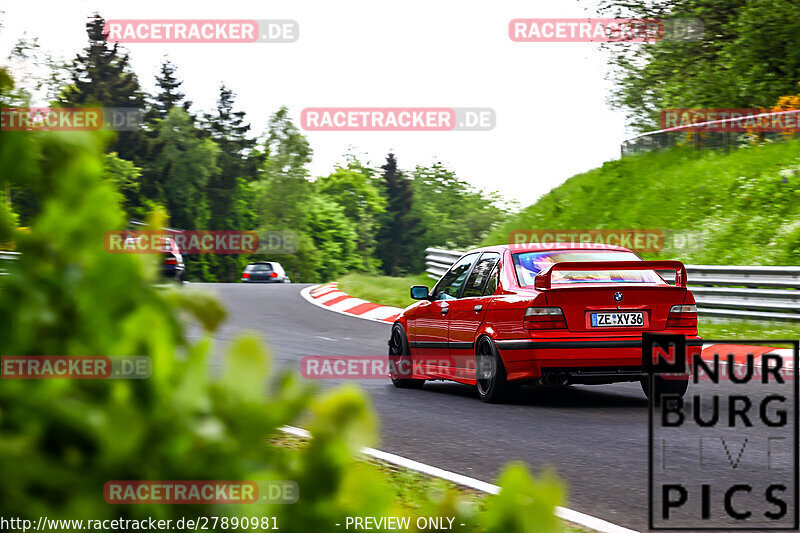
x=305, y=293
x=325, y=338
x=562, y=512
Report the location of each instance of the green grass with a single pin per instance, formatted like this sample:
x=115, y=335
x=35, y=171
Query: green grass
x=745, y=329
x=741, y=208
x=385, y=290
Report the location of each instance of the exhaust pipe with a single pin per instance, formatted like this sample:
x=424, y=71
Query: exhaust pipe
x=562, y=378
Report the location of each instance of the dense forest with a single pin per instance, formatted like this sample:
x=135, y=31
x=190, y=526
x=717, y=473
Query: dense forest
x=211, y=171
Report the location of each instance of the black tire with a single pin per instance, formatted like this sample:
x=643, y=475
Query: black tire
x=400, y=358
x=665, y=387
x=490, y=374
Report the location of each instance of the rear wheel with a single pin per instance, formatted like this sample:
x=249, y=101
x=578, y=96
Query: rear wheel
x=490, y=374
x=400, y=360
x=665, y=387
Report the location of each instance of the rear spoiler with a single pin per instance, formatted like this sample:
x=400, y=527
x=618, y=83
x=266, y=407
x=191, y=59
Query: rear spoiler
x=543, y=278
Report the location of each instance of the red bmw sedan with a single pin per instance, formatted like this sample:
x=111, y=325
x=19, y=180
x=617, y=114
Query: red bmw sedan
x=545, y=313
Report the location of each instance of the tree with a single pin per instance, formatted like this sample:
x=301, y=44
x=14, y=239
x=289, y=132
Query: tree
x=334, y=238
x=453, y=213
x=238, y=159
x=126, y=178
x=747, y=56
x=184, y=167
x=362, y=203
x=38, y=75
x=283, y=193
x=102, y=76
x=169, y=94
x=284, y=188
x=400, y=230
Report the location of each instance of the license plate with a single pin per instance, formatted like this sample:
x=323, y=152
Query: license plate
x=605, y=320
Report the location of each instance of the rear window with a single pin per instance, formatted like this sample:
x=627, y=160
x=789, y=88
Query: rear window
x=259, y=268
x=527, y=265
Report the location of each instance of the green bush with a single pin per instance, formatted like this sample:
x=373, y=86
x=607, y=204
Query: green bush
x=62, y=440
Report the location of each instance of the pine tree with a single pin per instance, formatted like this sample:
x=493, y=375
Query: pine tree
x=102, y=76
x=238, y=159
x=400, y=232
x=169, y=94
x=226, y=191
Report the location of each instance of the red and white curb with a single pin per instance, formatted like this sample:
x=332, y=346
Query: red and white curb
x=328, y=296
x=563, y=513
x=740, y=353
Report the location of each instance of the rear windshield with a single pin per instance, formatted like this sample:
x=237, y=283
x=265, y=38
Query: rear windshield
x=528, y=264
x=259, y=268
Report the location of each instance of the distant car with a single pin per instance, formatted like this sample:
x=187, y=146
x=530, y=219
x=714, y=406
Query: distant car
x=264, y=272
x=550, y=314
x=172, y=266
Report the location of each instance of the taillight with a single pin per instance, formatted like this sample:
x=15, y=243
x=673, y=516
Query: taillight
x=544, y=318
x=170, y=261
x=245, y=275
x=682, y=316
x=273, y=274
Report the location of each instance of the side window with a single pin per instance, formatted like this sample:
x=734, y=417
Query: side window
x=480, y=274
x=450, y=284
x=493, y=281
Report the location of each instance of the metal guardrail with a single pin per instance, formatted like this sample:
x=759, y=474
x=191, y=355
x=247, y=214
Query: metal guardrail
x=437, y=261
x=5, y=257
x=747, y=292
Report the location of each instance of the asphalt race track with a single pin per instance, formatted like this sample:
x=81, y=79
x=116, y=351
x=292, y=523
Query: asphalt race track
x=595, y=437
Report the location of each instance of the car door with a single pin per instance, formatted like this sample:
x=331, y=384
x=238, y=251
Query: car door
x=428, y=329
x=466, y=315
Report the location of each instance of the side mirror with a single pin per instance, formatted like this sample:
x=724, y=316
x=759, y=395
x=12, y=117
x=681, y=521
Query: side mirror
x=419, y=292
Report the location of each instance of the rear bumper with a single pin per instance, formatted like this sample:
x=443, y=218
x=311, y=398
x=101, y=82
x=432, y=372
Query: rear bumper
x=583, y=360
x=172, y=271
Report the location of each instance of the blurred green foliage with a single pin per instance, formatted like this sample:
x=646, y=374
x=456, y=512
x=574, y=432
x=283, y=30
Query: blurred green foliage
x=61, y=440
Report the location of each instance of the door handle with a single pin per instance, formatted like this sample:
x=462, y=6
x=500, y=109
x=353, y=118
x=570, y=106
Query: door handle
x=445, y=310
x=478, y=308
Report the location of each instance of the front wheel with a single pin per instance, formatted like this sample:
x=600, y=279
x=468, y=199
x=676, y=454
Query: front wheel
x=400, y=361
x=665, y=387
x=490, y=374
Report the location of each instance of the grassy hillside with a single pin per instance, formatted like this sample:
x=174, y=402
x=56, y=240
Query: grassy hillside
x=739, y=208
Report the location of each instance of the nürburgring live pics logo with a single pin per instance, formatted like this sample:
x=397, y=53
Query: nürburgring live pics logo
x=725, y=456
